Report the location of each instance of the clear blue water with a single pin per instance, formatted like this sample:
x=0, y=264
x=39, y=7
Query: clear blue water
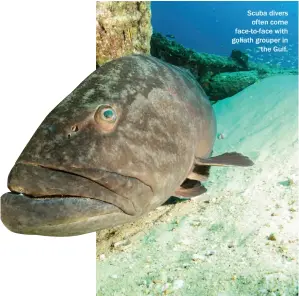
x=210, y=26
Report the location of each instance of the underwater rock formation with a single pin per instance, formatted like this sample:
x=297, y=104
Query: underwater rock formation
x=123, y=28
x=229, y=83
x=201, y=65
x=240, y=57
x=219, y=76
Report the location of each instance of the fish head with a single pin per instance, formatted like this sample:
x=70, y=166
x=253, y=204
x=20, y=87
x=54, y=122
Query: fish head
x=109, y=146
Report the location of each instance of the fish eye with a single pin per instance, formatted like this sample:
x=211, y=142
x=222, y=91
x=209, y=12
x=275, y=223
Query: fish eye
x=108, y=114
x=106, y=118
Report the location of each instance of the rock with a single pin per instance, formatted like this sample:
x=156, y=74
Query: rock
x=202, y=65
x=178, y=284
x=220, y=136
x=228, y=84
x=210, y=253
x=231, y=245
x=197, y=257
x=240, y=57
x=165, y=287
x=122, y=28
x=272, y=237
x=121, y=244
x=102, y=257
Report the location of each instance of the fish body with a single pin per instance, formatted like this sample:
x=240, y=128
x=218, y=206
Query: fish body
x=133, y=133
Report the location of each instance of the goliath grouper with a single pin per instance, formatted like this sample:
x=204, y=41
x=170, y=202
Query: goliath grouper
x=132, y=134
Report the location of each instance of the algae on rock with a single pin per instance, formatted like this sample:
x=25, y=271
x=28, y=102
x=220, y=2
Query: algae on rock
x=220, y=76
x=123, y=28
x=228, y=84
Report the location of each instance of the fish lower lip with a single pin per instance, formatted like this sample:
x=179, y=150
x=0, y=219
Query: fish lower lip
x=57, y=216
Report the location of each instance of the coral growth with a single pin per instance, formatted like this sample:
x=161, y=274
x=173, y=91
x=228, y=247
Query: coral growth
x=123, y=28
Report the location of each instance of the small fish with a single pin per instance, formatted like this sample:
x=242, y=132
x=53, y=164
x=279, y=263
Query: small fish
x=170, y=36
x=132, y=134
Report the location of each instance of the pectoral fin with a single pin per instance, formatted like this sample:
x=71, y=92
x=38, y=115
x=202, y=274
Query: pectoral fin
x=190, y=188
x=200, y=173
x=226, y=159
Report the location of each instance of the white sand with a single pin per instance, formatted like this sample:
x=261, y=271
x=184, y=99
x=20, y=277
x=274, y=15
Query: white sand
x=223, y=247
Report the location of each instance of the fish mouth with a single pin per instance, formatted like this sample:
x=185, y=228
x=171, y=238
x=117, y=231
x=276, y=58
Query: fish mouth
x=54, y=202
x=56, y=216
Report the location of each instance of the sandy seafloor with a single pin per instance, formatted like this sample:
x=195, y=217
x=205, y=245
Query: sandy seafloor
x=244, y=240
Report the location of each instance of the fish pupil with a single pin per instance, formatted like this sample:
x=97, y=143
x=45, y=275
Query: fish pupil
x=108, y=114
